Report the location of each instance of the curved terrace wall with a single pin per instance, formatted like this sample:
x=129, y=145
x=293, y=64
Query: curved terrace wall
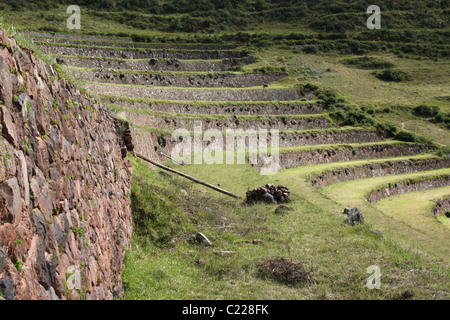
x=155, y=64
x=347, y=153
x=442, y=206
x=230, y=122
x=225, y=108
x=141, y=53
x=408, y=185
x=377, y=169
x=207, y=80
x=194, y=94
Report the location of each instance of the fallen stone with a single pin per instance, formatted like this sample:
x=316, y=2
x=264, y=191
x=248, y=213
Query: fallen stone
x=353, y=216
x=257, y=241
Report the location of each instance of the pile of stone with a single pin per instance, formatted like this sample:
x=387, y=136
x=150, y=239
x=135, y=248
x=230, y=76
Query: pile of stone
x=269, y=194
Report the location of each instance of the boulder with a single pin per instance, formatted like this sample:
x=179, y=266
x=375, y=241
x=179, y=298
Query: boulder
x=353, y=216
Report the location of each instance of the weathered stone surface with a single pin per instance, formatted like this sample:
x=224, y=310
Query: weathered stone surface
x=8, y=127
x=10, y=193
x=7, y=288
x=5, y=80
x=63, y=183
x=353, y=216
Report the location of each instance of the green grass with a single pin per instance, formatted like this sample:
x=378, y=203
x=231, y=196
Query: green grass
x=206, y=103
x=166, y=270
x=414, y=209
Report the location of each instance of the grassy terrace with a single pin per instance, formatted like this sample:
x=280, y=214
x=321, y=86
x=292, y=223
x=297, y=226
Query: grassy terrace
x=108, y=43
x=311, y=172
x=174, y=115
x=271, y=87
x=206, y=103
x=168, y=73
x=71, y=45
x=414, y=208
x=360, y=188
x=120, y=59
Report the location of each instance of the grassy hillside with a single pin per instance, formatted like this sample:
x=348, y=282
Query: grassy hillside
x=392, y=81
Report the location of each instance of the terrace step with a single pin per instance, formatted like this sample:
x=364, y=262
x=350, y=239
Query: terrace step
x=75, y=37
x=377, y=169
x=203, y=80
x=220, y=108
x=407, y=185
x=306, y=156
x=122, y=43
x=163, y=141
x=153, y=64
x=222, y=123
x=127, y=53
x=215, y=94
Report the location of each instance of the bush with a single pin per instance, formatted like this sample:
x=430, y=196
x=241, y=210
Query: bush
x=393, y=75
x=368, y=63
x=427, y=111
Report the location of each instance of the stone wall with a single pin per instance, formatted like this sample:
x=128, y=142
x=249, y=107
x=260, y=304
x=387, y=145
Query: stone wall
x=346, y=153
x=228, y=122
x=206, y=80
x=194, y=93
x=156, y=64
x=64, y=186
x=141, y=53
x=408, y=185
x=226, y=108
x=377, y=169
x=441, y=207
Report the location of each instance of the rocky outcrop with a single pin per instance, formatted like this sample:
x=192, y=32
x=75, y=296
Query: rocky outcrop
x=65, y=215
x=408, y=185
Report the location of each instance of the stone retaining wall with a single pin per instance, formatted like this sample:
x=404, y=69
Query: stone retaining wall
x=442, y=206
x=195, y=94
x=408, y=185
x=207, y=80
x=128, y=44
x=141, y=53
x=224, y=123
x=377, y=169
x=64, y=186
x=316, y=156
x=156, y=64
x=225, y=109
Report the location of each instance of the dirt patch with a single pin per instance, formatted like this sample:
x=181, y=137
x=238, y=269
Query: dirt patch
x=286, y=271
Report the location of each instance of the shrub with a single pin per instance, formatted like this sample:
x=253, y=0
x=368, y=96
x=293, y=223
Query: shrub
x=393, y=75
x=427, y=111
